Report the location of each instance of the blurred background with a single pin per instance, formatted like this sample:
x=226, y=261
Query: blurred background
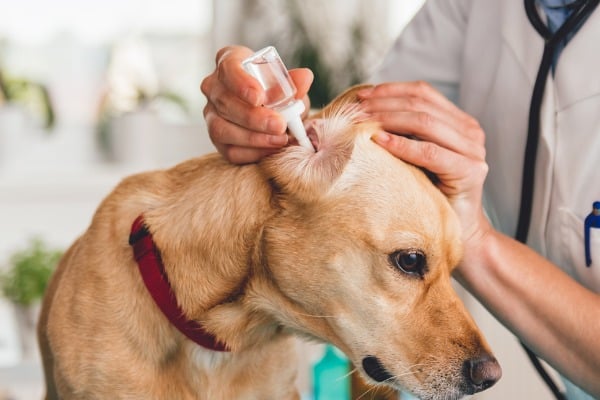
x=92, y=91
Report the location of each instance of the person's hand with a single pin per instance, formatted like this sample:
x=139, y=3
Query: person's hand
x=242, y=130
x=450, y=144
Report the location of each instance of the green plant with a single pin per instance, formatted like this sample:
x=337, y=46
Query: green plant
x=143, y=100
x=33, y=96
x=30, y=269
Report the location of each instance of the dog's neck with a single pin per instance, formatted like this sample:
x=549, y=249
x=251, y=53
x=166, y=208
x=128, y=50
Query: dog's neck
x=152, y=271
x=212, y=275
x=205, y=230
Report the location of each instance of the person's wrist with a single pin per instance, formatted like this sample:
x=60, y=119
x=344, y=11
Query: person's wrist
x=478, y=245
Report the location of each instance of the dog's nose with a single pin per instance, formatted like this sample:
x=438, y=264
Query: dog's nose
x=481, y=373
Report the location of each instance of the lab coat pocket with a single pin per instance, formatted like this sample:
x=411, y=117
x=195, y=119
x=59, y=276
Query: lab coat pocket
x=573, y=250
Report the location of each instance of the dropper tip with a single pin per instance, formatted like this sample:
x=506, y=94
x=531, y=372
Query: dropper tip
x=296, y=127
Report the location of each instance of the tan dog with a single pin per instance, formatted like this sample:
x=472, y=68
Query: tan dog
x=347, y=245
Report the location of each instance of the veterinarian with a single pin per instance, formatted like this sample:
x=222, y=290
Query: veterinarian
x=513, y=87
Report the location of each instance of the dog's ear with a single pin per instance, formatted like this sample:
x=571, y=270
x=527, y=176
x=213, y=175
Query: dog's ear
x=348, y=97
x=308, y=175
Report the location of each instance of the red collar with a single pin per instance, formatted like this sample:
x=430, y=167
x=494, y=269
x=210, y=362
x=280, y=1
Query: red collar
x=155, y=278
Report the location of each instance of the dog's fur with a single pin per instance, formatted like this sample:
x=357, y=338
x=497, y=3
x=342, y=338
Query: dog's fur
x=297, y=244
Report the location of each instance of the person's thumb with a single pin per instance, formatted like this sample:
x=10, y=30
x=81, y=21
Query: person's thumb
x=303, y=78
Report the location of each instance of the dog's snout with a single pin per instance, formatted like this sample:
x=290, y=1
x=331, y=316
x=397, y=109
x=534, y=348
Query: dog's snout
x=481, y=373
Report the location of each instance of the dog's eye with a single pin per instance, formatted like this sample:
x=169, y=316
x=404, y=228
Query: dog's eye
x=411, y=262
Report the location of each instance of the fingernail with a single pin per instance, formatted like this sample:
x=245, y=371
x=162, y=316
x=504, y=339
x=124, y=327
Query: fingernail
x=251, y=96
x=275, y=125
x=381, y=137
x=278, y=140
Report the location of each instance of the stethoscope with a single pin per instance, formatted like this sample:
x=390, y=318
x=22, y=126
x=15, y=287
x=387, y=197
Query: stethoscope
x=581, y=9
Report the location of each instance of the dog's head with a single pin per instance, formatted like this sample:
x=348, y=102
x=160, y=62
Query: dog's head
x=362, y=250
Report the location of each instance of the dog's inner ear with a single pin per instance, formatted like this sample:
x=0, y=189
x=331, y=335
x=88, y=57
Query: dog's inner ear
x=307, y=175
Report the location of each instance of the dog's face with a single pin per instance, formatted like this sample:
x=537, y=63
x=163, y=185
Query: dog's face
x=362, y=251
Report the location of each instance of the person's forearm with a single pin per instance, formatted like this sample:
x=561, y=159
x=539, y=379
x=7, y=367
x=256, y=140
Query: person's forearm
x=551, y=313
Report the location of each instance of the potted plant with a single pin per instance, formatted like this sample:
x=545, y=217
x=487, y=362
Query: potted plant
x=21, y=101
x=32, y=96
x=133, y=136
x=129, y=122
x=24, y=284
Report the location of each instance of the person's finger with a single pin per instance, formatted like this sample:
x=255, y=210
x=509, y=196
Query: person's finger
x=449, y=166
x=244, y=155
x=239, y=112
x=408, y=89
x=236, y=80
x=423, y=154
x=385, y=105
x=225, y=132
x=303, y=79
x=428, y=128
x=420, y=97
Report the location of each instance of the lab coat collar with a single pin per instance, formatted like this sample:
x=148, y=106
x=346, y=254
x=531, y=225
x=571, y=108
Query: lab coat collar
x=522, y=40
x=576, y=76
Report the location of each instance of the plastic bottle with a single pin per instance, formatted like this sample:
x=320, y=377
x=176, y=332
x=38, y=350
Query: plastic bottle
x=266, y=66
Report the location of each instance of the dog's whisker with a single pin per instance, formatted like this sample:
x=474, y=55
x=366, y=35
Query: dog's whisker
x=314, y=316
x=410, y=368
x=373, y=389
x=348, y=374
x=404, y=374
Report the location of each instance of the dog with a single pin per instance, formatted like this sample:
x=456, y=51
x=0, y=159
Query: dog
x=191, y=282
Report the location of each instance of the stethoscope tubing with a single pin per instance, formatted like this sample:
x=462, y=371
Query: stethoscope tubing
x=580, y=13
x=581, y=10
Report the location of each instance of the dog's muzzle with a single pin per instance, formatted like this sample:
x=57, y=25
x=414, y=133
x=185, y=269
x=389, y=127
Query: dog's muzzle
x=478, y=373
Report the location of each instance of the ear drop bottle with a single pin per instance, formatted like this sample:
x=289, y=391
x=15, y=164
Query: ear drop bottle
x=268, y=69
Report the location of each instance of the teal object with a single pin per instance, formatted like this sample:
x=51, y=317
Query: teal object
x=408, y=396
x=331, y=377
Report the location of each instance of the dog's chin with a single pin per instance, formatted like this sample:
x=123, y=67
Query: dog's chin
x=374, y=369
x=445, y=395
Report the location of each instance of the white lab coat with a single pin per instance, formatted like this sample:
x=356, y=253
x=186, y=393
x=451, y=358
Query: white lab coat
x=484, y=55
